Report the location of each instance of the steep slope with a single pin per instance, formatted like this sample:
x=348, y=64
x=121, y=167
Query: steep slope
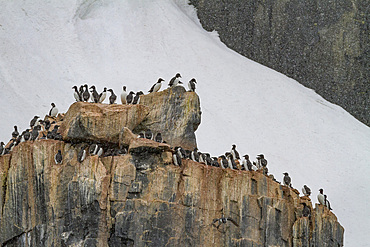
x=49, y=47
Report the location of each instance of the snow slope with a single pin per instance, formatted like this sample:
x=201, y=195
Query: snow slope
x=49, y=46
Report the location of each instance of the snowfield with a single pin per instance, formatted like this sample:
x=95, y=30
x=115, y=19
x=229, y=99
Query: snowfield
x=48, y=47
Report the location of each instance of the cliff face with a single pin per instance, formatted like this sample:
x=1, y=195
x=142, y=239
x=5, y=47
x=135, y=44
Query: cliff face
x=323, y=45
x=142, y=199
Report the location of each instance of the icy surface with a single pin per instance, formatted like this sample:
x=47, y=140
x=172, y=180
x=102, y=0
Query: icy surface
x=47, y=47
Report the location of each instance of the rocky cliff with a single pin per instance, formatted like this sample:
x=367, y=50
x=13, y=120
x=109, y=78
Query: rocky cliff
x=141, y=198
x=321, y=44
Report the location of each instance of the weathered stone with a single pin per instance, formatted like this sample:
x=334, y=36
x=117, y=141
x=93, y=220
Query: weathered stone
x=174, y=113
x=126, y=137
x=86, y=122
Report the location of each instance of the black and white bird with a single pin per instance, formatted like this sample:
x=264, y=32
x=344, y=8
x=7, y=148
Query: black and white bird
x=306, y=191
x=112, y=97
x=181, y=152
x=2, y=148
x=327, y=203
x=223, y=220
x=191, y=85
x=93, y=149
x=223, y=162
x=82, y=154
x=321, y=197
x=176, y=159
x=103, y=95
x=53, y=111
x=215, y=162
x=123, y=96
x=141, y=135
x=158, y=138
x=148, y=134
x=27, y=135
x=231, y=162
x=136, y=99
x=35, y=133
x=194, y=155
x=47, y=124
x=156, y=86
x=86, y=94
x=76, y=94
x=130, y=97
x=33, y=121
x=306, y=212
x=94, y=94
x=81, y=91
x=247, y=164
x=58, y=157
x=15, y=133
x=175, y=80
x=100, y=151
x=287, y=180
x=262, y=160
x=235, y=153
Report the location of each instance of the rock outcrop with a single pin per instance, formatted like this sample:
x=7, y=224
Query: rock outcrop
x=141, y=198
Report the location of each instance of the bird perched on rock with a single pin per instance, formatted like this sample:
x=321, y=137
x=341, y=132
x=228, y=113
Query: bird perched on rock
x=86, y=94
x=215, y=162
x=15, y=132
x=82, y=153
x=123, y=96
x=181, y=152
x=191, y=85
x=327, y=203
x=321, y=197
x=148, y=134
x=35, y=132
x=53, y=111
x=33, y=121
x=58, y=157
x=103, y=95
x=141, y=135
x=262, y=160
x=231, y=161
x=306, y=191
x=223, y=162
x=306, y=212
x=47, y=124
x=195, y=155
x=175, y=80
x=158, y=138
x=287, y=180
x=156, y=86
x=176, y=159
x=27, y=135
x=94, y=94
x=112, y=97
x=235, y=153
x=93, y=149
x=247, y=164
x=76, y=94
x=136, y=99
x=130, y=97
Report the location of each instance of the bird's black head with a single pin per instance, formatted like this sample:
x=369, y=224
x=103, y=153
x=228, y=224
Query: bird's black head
x=52, y=104
x=132, y=92
x=160, y=80
x=261, y=156
x=193, y=80
x=246, y=156
x=285, y=173
x=74, y=87
x=110, y=90
x=85, y=86
x=234, y=146
x=1, y=143
x=105, y=89
x=124, y=88
x=178, y=75
x=92, y=87
x=59, y=151
x=36, y=117
x=15, y=127
x=140, y=93
x=303, y=203
x=321, y=191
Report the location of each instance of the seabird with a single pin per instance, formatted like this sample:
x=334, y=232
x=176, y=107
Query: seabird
x=148, y=134
x=15, y=133
x=82, y=154
x=247, y=164
x=35, y=132
x=327, y=203
x=306, y=191
x=320, y=197
x=223, y=162
x=234, y=152
x=58, y=157
x=181, y=152
x=2, y=148
x=156, y=86
x=176, y=159
x=201, y=160
x=112, y=97
x=141, y=135
x=103, y=95
x=130, y=97
x=100, y=151
x=191, y=85
x=53, y=111
x=76, y=94
x=94, y=94
x=137, y=98
x=47, y=124
x=306, y=210
x=81, y=91
x=175, y=80
x=33, y=121
x=231, y=162
x=262, y=160
x=215, y=162
x=287, y=180
x=158, y=138
x=194, y=155
x=27, y=135
x=124, y=95
x=93, y=149
x=86, y=94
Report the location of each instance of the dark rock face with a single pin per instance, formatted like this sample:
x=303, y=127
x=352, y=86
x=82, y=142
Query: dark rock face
x=322, y=44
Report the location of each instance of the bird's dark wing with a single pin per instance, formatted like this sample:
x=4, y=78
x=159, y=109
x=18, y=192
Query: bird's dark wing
x=233, y=221
x=215, y=220
x=151, y=89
